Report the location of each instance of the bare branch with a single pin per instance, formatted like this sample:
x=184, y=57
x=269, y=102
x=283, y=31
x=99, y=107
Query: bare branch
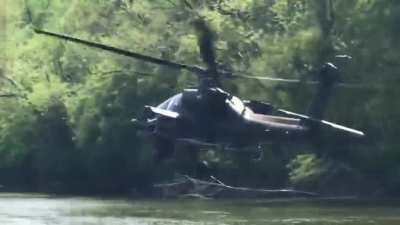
x=10, y=80
x=171, y=2
x=200, y=188
x=187, y=4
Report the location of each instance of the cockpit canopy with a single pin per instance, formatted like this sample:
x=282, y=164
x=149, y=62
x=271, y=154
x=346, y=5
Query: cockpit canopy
x=215, y=96
x=172, y=104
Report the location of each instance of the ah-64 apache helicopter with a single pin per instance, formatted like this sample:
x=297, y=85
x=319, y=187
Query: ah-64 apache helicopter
x=210, y=116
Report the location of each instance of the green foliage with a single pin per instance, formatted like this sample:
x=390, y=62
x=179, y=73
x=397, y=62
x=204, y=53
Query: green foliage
x=16, y=133
x=307, y=170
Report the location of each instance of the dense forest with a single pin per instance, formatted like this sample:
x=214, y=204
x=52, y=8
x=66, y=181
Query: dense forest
x=66, y=109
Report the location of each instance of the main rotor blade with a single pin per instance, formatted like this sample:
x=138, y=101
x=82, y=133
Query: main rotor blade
x=8, y=95
x=268, y=78
x=123, y=52
x=206, y=44
x=297, y=81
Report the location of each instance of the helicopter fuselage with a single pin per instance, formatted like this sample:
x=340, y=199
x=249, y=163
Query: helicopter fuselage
x=213, y=117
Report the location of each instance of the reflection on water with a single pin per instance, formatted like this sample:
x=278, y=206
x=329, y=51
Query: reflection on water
x=21, y=209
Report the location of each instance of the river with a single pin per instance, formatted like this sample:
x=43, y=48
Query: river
x=35, y=209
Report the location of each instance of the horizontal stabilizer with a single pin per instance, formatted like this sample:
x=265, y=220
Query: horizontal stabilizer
x=351, y=131
x=163, y=112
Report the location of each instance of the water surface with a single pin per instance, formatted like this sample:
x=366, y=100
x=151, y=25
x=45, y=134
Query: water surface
x=35, y=209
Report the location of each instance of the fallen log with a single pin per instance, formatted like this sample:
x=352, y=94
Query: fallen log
x=188, y=187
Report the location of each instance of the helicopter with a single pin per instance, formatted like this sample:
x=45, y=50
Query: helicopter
x=208, y=116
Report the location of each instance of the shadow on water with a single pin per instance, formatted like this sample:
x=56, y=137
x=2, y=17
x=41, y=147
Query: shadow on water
x=16, y=209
